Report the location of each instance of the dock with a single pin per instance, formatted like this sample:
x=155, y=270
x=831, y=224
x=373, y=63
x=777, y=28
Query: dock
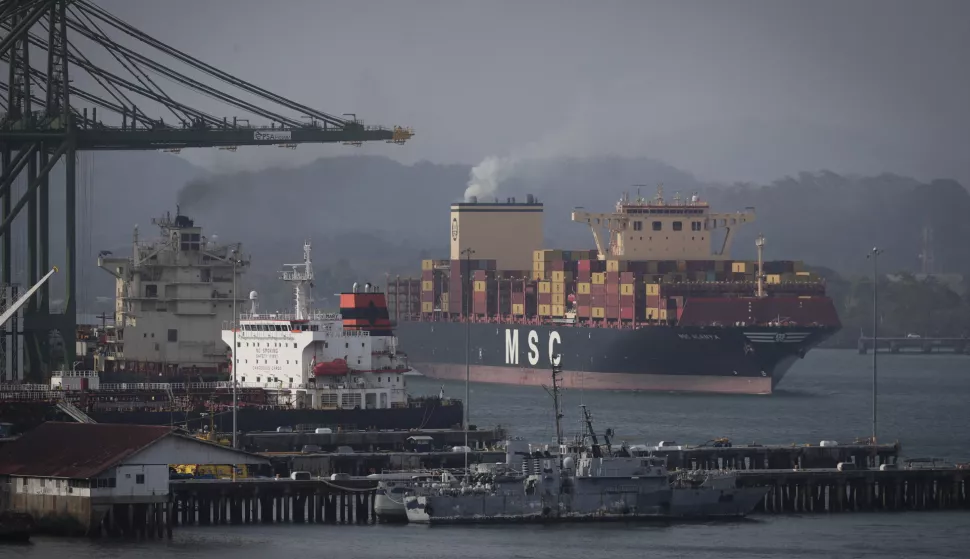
x=368, y=441
x=915, y=345
x=200, y=502
x=777, y=457
x=364, y=463
x=831, y=491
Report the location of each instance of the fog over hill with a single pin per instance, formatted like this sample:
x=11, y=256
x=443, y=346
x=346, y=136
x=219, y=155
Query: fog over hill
x=368, y=215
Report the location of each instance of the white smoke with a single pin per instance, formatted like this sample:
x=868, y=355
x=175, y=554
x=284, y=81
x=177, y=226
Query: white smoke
x=485, y=178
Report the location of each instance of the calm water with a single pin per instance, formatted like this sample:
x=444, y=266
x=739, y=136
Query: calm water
x=923, y=404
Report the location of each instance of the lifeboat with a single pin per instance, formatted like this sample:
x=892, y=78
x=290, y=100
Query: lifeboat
x=331, y=368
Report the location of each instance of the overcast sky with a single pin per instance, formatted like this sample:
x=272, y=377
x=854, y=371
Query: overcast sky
x=726, y=89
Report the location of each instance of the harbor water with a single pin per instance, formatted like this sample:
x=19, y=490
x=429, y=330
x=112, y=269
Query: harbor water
x=922, y=403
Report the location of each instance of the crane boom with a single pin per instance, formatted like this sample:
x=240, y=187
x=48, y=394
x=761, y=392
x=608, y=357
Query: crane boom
x=24, y=298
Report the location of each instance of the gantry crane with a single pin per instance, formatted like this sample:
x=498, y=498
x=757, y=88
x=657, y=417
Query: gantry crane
x=47, y=118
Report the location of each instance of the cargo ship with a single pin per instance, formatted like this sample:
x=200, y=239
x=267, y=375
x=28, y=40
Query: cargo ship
x=656, y=306
x=302, y=369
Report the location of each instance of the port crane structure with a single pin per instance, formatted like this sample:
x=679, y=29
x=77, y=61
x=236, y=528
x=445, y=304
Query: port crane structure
x=47, y=117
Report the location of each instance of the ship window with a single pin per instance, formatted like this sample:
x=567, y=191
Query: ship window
x=638, y=226
x=346, y=344
x=156, y=347
x=238, y=344
x=140, y=479
x=695, y=226
x=294, y=344
x=678, y=226
x=173, y=335
x=259, y=379
x=656, y=226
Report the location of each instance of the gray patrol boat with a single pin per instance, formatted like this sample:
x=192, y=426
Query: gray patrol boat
x=585, y=481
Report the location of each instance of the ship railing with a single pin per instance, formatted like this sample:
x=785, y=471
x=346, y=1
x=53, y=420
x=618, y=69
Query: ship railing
x=9, y=387
x=75, y=374
x=32, y=396
x=309, y=315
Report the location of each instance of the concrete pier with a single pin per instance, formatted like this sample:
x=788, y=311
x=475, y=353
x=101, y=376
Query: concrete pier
x=914, y=345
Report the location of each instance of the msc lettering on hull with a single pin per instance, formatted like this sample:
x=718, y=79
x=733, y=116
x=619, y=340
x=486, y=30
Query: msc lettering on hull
x=512, y=347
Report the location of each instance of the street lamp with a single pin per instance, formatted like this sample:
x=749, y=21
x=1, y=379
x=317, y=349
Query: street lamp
x=235, y=360
x=466, y=296
x=874, y=256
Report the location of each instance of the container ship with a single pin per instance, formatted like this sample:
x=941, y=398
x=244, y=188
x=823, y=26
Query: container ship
x=658, y=305
x=170, y=358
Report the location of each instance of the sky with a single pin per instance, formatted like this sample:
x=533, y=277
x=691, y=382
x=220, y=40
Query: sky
x=739, y=90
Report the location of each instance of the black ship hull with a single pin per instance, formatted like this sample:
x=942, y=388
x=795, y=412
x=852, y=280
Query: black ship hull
x=744, y=360
x=430, y=414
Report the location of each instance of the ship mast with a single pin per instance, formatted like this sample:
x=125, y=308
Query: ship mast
x=557, y=405
x=300, y=276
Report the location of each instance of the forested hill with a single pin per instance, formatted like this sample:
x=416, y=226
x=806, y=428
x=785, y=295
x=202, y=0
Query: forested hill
x=368, y=216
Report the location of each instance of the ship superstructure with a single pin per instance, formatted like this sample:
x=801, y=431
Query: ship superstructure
x=171, y=298
x=659, y=305
x=312, y=359
x=660, y=229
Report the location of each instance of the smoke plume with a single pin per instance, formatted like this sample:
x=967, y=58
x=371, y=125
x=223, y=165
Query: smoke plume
x=485, y=178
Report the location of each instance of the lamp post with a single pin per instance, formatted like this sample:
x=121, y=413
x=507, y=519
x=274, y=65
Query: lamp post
x=874, y=256
x=235, y=360
x=466, y=296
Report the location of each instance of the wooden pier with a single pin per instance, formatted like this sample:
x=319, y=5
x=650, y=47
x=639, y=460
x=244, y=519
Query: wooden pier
x=830, y=491
x=915, y=345
x=272, y=501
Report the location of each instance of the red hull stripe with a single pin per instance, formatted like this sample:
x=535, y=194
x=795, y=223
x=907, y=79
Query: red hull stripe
x=598, y=380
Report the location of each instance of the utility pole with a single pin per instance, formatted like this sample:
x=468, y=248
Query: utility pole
x=760, y=244
x=467, y=296
x=874, y=256
x=234, y=254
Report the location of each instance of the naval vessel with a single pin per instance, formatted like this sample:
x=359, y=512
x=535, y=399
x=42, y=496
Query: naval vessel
x=583, y=481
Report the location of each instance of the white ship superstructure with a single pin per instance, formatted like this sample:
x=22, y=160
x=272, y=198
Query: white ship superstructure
x=171, y=298
x=312, y=359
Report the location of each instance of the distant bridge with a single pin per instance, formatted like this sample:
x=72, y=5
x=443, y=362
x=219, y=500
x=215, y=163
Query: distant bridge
x=922, y=345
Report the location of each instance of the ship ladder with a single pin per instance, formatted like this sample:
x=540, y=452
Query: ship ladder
x=75, y=412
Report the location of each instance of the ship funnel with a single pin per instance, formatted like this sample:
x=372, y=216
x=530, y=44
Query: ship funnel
x=530, y=199
x=473, y=199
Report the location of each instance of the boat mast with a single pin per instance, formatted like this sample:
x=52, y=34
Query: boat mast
x=557, y=403
x=300, y=278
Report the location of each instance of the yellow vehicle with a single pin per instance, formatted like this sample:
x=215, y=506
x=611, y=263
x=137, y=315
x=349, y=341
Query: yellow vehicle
x=218, y=471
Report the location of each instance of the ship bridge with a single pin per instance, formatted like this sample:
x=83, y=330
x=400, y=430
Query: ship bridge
x=657, y=229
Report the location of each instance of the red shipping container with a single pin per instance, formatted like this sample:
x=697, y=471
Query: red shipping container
x=627, y=313
x=583, y=299
x=613, y=289
x=627, y=277
x=584, y=311
x=612, y=313
x=627, y=300
x=555, y=266
x=653, y=301
x=598, y=299
x=597, y=289
x=612, y=277
x=545, y=298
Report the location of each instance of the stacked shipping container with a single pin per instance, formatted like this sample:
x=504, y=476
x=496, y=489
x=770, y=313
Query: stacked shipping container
x=608, y=291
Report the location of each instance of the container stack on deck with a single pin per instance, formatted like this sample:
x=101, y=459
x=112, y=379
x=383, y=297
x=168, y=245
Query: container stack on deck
x=604, y=292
